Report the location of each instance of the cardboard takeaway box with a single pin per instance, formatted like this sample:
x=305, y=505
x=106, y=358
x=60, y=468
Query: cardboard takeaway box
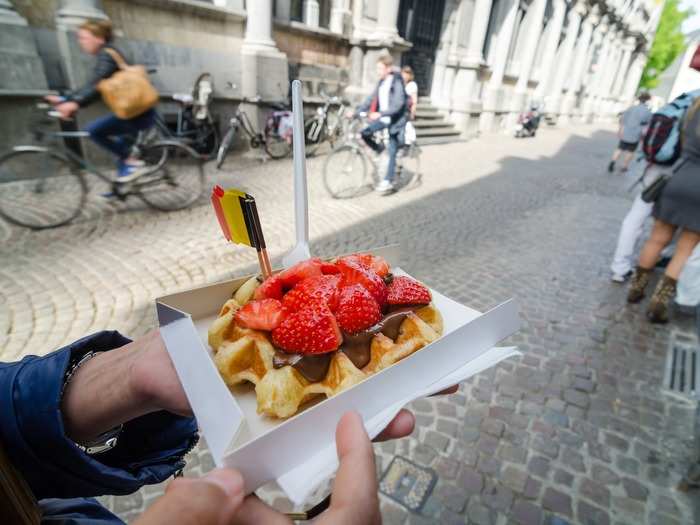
x=299, y=452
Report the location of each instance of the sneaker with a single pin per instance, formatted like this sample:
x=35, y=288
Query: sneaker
x=623, y=170
x=611, y=167
x=621, y=277
x=127, y=173
x=384, y=187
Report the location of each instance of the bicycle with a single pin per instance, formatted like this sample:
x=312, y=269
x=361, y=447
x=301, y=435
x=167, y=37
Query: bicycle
x=325, y=125
x=43, y=185
x=194, y=125
x=274, y=144
x=345, y=169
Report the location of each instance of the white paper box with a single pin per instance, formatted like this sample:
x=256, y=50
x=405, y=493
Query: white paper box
x=266, y=449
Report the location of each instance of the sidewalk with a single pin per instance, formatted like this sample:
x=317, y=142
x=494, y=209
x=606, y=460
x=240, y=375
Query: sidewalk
x=578, y=430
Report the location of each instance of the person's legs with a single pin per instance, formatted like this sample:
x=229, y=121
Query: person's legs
x=615, y=156
x=368, y=135
x=106, y=132
x=661, y=235
x=393, y=149
x=630, y=231
x=660, y=302
x=628, y=158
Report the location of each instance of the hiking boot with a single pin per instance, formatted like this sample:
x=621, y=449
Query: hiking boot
x=660, y=303
x=639, y=283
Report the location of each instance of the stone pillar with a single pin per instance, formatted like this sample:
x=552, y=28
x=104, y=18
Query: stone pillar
x=634, y=74
x=579, y=66
x=493, y=88
x=74, y=12
x=21, y=69
x=387, y=14
x=627, y=49
x=264, y=65
x=311, y=13
x=553, y=32
x=567, y=48
x=477, y=33
x=601, y=42
x=339, y=12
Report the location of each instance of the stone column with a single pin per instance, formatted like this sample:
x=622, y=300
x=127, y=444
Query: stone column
x=387, y=14
x=627, y=49
x=634, y=74
x=339, y=12
x=493, y=88
x=21, y=69
x=553, y=32
x=601, y=42
x=579, y=66
x=264, y=65
x=477, y=33
x=74, y=12
x=311, y=13
x=567, y=48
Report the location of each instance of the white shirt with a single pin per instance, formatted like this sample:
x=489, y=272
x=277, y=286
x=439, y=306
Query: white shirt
x=411, y=88
x=383, y=96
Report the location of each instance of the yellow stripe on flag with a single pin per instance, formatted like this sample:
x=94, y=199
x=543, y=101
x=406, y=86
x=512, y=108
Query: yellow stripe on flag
x=233, y=211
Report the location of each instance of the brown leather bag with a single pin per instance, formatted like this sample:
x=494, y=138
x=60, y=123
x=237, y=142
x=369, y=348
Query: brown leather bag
x=128, y=92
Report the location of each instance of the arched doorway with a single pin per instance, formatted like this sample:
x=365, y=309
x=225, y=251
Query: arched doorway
x=420, y=23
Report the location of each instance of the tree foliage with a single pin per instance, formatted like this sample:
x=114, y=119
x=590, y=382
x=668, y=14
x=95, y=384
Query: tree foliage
x=669, y=42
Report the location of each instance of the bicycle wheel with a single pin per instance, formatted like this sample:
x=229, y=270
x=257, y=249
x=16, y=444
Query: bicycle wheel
x=345, y=172
x=39, y=189
x=315, y=135
x=176, y=182
x=207, y=139
x=225, y=145
x=276, y=147
x=408, y=166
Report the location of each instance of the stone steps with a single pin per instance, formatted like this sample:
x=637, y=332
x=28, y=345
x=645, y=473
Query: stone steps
x=431, y=126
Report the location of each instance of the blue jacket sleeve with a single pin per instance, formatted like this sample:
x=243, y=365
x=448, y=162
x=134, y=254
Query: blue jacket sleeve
x=149, y=450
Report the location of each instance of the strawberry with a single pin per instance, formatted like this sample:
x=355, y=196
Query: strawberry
x=374, y=262
x=357, y=309
x=328, y=268
x=271, y=288
x=265, y=314
x=355, y=273
x=404, y=290
x=312, y=330
x=322, y=288
x=300, y=271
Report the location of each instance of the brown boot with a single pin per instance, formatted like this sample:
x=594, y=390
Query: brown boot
x=660, y=302
x=639, y=282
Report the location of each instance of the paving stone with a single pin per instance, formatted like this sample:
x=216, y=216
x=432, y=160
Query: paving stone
x=424, y=454
x=595, y=491
x=470, y=481
x=513, y=454
x=488, y=465
x=556, y=418
x=617, y=442
x=538, y=466
x=515, y=478
x=584, y=385
x=590, y=515
x=629, y=506
x=526, y=513
x=487, y=444
x=447, y=427
x=628, y=465
x=422, y=405
x=604, y=475
x=493, y=427
x=393, y=514
x=447, y=409
x=599, y=451
x=557, y=501
x=497, y=496
x=562, y=477
x=480, y=514
x=532, y=488
x=573, y=460
x=546, y=446
x=634, y=489
x=455, y=498
x=470, y=434
x=436, y=441
x=576, y=398
x=556, y=404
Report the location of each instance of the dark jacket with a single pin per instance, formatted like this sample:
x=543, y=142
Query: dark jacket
x=398, y=104
x=105, y=66
x=149, y=450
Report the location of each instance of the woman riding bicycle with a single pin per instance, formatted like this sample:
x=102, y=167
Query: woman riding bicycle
x=94, y=38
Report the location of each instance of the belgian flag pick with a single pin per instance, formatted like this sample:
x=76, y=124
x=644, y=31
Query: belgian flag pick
x=239, y=221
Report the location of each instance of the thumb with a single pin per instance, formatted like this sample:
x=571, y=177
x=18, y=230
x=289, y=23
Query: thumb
x=211, y=500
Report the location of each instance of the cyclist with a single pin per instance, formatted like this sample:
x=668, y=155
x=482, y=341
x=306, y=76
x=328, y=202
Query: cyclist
x=412, y=94
x=109, y=131
x=387, y=109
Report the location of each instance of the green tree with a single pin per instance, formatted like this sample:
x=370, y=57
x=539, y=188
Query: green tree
x=669, y=42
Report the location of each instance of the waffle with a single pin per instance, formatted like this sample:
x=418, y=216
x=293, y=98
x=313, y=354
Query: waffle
x=245, y=355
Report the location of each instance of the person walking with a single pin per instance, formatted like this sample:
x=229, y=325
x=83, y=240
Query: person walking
x=632, y=124
x=677, y=208
x=412, y=94
x=95, y=38
x=387, y=109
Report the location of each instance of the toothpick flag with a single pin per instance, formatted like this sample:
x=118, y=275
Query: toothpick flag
x=239, y=221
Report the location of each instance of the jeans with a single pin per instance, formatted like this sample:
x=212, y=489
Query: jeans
x=109, y=132
x=368, y=137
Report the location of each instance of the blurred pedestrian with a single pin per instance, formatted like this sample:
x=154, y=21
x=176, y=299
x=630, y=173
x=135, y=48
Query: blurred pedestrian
x=412, y=94
x=632, y=124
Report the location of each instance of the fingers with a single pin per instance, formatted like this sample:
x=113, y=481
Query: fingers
x=401, y=426
x=211, y=500
x=253, y=512
x=355, y=488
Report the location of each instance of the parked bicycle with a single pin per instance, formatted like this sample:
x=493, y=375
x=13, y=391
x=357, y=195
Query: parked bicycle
x=325, y=126
x=43, y=184
x=276, y=139
x=194, y=124
x=346, y=173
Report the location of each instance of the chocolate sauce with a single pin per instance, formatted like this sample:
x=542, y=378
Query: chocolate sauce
x=356, y=347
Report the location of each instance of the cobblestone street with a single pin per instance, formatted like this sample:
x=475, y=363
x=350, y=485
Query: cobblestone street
x=578, y=430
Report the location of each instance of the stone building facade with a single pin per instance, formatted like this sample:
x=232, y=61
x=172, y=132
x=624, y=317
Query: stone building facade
x=480, y=62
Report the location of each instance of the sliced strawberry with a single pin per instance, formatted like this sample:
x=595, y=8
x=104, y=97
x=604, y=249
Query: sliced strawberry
x=374, y=262
x=357, y=309
x=355, y=273
x=271, y=288
x=323, y=287
x=295, y=300
x=265, y=314
x=312, y=330
x=404, y=290
x=328, y=268
x=300, y=271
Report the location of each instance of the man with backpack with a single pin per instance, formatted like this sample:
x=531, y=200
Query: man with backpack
x=632, y=124
x=662, y=149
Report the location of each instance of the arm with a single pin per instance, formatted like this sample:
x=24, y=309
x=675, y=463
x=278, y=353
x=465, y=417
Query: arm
x=364, y=107
x=38, y=427
x=105, y=68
